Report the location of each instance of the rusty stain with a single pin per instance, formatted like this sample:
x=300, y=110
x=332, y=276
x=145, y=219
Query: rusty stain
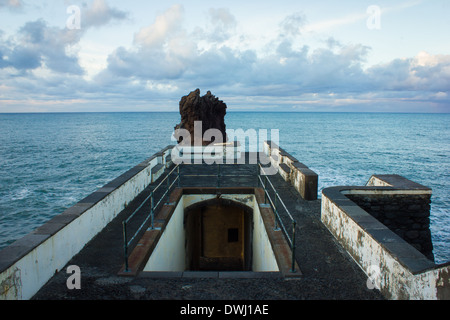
x=443, y=285
x=12, y=282
x=360, y=236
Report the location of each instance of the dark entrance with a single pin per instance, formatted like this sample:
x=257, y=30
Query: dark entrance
x=218, y=237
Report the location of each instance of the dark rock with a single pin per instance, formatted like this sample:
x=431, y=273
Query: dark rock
x=416, y=226
x=414, y=207
x=391, y=215
x=412, y=234
x=207, y=109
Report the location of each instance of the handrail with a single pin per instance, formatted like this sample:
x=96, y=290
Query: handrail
x=275, y=210
x=281, y=201
x=151, y=215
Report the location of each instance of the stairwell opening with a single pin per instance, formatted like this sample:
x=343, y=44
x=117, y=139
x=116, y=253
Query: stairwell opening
x=211, y=232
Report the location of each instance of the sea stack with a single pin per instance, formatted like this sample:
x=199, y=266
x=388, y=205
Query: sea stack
x=209, y=110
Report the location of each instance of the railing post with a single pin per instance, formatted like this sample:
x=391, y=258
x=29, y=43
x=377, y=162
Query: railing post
x=293, y=247
x=218, y=176
x=152, y=213
x=265, y=190
x=276, y=211
x=178, y=175
x=125, y=244
x=257, y=175
x=168, y=187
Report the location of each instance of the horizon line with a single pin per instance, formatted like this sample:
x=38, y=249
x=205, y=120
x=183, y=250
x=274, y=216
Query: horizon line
x=233, y=111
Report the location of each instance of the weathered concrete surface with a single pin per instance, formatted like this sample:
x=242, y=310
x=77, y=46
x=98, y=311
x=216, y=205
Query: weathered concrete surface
x=328, y=271
x=397, y=268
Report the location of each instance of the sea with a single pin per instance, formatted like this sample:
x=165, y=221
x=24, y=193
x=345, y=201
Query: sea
x=50, y=161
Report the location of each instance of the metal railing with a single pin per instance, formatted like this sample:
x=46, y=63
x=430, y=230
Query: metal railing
x=274, y=205
x=263, y=182
x=151, y=215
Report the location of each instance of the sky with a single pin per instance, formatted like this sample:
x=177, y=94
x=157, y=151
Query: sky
x=282, y=56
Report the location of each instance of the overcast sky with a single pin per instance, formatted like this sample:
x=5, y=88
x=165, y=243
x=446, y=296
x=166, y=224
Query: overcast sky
x=284, y=55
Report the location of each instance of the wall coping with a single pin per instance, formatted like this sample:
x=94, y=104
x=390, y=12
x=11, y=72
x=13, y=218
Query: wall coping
x=397, y=181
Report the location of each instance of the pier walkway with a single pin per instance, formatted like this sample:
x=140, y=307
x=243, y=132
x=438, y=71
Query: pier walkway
x=328, y=272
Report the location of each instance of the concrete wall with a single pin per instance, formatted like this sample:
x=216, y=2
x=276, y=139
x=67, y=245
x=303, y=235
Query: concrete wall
x=398, y=269
x=27, y=264
x=169, y=253
x=304, y=180
x=263, y=256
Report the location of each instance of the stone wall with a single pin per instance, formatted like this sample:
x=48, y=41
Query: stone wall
x=406, y=215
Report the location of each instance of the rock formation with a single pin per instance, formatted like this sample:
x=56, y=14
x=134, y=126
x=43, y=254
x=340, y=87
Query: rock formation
x=207, y=109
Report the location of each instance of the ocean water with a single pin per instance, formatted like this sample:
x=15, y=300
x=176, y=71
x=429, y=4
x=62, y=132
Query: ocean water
x=49, y=162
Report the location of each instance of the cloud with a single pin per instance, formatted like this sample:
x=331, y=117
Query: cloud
x=293, y=24
x=162, y=51
x=424, y=72
x=39, y=45
x=166, y=60
x=178, y=59
x=165, y=25
x=12, y=4
x=222, y=16
x=99, y=13
x=223, y=24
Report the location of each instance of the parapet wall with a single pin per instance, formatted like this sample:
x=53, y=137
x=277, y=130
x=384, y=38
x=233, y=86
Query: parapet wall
x=27, y=264
x=408, y=215
x=397, y=268
x=304, y=180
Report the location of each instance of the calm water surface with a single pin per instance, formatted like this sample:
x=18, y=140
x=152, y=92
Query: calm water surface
x=48, y=162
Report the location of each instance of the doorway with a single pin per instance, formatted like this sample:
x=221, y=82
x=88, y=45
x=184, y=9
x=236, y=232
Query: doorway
x=218, y=237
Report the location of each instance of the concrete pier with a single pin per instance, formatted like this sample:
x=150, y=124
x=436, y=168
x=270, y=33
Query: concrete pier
x=327, y=271
x=338, y=240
